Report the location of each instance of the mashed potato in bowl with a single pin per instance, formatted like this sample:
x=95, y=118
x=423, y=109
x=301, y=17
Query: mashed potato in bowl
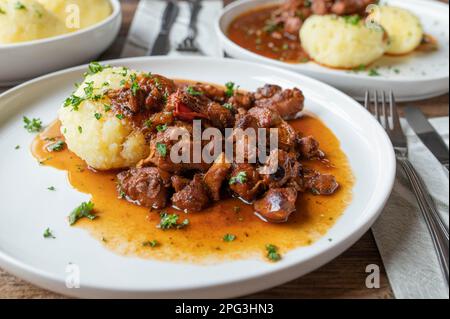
x=27, y=20
x=93, y=132
x=91, y=11
x=342, y=42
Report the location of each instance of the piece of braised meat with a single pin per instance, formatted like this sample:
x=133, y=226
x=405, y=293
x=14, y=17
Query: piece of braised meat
x=277, y=205
x=320, y=184
x=309, y=148
x=179, y=182
x=194, y=197
x=145, y=94
x=189, y=104
x=280, y=168
x=265, y=117
x=288, y=103
x=161, y=145
x=147, y=186
x=245, y=182
x=241, y=100
x=288, y=138
x=216, y=175
x=346, y=7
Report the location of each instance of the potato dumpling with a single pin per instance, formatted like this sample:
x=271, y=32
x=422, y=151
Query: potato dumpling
x=94, y=132
x=403, y=28
x=27, y=20
x=91, y=11
x=342, y=42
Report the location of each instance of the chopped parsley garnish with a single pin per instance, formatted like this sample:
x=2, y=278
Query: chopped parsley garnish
x=240, y=178
x=270, y=26
x=315, y=191
x=123, y=82
x=169, y=221
x=373, y=72
x=82, y=211
x=148, y=123
x=192, y=91
x=229, y=89
x=397, y=71
x=56, y=147
x=150, y=243
x=361, y=67
x=229, y=238
x=73, y=101
x=228, y=106
x=51, y=188
x=80, y=129
x=33, y=125
x=17, y=147
x=19, y=6
x=98, y=116
x=353, y=19
x=119, y=116
x=107, y=107
x=272, y=253
x=95, y=67
x=161, y=128
x=48, y=234
x=135, y=88
x=162, y=149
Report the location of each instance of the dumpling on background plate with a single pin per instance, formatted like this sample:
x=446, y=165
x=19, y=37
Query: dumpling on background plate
x=403, y=28
x=342, y=42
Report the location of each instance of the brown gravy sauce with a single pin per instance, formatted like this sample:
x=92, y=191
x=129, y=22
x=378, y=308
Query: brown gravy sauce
x=123, y=227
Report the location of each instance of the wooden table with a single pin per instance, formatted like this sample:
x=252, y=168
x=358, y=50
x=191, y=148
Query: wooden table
x=344, y=277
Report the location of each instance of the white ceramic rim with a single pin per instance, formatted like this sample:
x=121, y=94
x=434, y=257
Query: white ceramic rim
x=323, y=70
x=339, y=245
x=116, y=11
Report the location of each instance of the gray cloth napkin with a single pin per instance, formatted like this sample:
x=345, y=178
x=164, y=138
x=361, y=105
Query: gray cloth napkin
x=147, y=22
x=401, y=233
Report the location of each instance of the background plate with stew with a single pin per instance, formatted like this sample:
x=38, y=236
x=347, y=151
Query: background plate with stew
x=412, y=77
x=29, y=207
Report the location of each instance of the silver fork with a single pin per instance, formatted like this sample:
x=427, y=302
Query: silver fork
x=435, y=224
x=189, y=44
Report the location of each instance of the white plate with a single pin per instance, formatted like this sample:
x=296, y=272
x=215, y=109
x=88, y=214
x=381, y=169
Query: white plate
x=27, y=208
x=23, y=61
x=420, y=76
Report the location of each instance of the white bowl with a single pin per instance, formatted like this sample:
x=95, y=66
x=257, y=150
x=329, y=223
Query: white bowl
x=105, y=274
x=23, y=61
x=412, y=77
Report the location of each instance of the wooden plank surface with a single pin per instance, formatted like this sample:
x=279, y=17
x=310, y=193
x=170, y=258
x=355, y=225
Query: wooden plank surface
x=344, y=277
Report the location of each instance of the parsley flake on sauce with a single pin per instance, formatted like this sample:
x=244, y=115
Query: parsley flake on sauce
x=82, y=211
x=32, y=125
x=272, y=252
x=150, y=243
x=240, y=178
x=169, y=221
x=229, y=238
x=56, y=147
x=161, y=128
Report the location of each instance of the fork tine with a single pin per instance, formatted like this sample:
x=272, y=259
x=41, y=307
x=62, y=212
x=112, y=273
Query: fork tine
x=377, y=107
x=394, y=112
x=367, y=101
x=385, y=114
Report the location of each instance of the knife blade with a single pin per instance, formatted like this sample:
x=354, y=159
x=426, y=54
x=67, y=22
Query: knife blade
x=428, y=135
x=162, y=42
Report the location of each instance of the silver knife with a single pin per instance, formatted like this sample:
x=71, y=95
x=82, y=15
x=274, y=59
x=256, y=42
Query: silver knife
x=428, y=135
x=162, y=43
